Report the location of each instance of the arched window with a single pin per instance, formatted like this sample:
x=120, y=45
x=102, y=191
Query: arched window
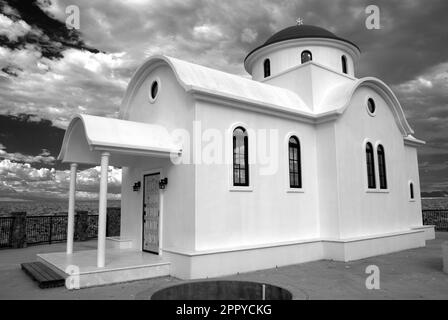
x=306, y=56
x=382, y=167
x=267, y=68
x=371, y=183
x=240, y=157
x=154, y=89
x=411, y=190
x=344, y=64
x=295, y=170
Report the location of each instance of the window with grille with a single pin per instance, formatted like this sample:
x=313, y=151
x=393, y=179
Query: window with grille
x=240, y=157
x=306, y=56
x=382, y=167
x=371, y=183
x=295, y=170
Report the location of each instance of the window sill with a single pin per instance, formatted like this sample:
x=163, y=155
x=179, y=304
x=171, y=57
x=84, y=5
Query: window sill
x=377, y=191
x=295, y=190
x=241, y=189
x=411, y=200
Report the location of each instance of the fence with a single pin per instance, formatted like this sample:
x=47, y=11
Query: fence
x=19, y=230
x=437, y=217
x=6, y=230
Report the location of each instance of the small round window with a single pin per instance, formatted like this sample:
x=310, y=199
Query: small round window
x=154, y=90
x=371, y=106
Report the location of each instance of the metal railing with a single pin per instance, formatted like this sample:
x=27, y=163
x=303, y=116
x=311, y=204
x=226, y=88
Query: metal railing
x=53, y=228
x=437, y=217
x=46, y=229
x=6, y=230
x=92, y=226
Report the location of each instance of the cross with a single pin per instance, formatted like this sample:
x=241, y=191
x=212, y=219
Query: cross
x=299, y=21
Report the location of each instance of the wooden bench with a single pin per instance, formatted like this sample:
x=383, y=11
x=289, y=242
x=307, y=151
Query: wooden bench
x=44, y=275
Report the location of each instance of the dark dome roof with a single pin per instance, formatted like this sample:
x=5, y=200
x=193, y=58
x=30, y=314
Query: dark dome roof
x=300, y=32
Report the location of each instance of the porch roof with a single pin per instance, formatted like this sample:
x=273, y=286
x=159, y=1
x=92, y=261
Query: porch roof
x=87, y=136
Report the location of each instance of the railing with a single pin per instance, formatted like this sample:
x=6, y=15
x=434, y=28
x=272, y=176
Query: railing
x=46, y=229
x=437, y=217
x=92, y=226
x=6, y=225
x=19, y=231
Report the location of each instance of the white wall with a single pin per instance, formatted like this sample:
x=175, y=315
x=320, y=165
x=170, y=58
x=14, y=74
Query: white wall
x=267, y=214
x=412, y=174
x=201, y=210
x=311, y=82
x=172, y=108
x=286, y=58
x=364, y=212
x=327, y=177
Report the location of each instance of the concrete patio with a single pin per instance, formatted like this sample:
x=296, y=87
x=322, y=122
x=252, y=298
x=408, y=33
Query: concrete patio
x=410, y=274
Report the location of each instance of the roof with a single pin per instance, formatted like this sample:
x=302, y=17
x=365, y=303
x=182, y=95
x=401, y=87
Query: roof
x=268, y=99
x=301, y=32
x=121, y=136
x=198, y=78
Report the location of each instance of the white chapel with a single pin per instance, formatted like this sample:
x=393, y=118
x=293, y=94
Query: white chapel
x=339, y=179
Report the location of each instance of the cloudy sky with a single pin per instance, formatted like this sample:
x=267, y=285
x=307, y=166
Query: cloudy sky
x=48, y=72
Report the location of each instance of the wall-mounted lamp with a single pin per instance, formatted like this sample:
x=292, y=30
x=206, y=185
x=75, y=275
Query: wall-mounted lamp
x=162, y=183
x=137, y=186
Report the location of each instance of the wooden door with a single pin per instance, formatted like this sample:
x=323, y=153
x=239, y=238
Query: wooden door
x=151, y=213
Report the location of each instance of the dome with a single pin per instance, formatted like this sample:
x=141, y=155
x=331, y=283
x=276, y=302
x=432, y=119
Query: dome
x=301, y=32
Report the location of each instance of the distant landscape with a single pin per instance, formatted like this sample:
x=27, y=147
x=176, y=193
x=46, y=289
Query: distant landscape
x=55, y=207
x=435, y=203
x=435, y=194
x=45, y=207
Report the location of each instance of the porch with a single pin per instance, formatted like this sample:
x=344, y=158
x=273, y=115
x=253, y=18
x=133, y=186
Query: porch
x=121, y=265
x=105, y=141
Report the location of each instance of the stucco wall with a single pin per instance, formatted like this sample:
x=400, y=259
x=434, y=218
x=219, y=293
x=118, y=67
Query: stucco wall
x=202, y=210
x=173, y=109
x=327, y=177
x=268, y=213
x=412, y=174
x=362, y=211
x=286, y=58
x=311, y=82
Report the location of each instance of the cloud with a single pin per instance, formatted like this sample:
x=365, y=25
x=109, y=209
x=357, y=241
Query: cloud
x=44, y=157
x=13, y=29
x=28, y=23
x=27, y=138
x=425, y=101
x=248, y=35
x=81, y=81
x=22, y=181
x=52, y=73
x=18, y=172
x=207, y=32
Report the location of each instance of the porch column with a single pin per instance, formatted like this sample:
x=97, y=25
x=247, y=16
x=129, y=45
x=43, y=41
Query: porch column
x=71, y=208
x=102, y=211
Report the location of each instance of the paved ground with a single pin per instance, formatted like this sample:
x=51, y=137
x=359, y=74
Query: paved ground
x=411, y=274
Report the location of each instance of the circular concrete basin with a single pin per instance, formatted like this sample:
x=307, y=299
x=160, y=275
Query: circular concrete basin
x=222, y=290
